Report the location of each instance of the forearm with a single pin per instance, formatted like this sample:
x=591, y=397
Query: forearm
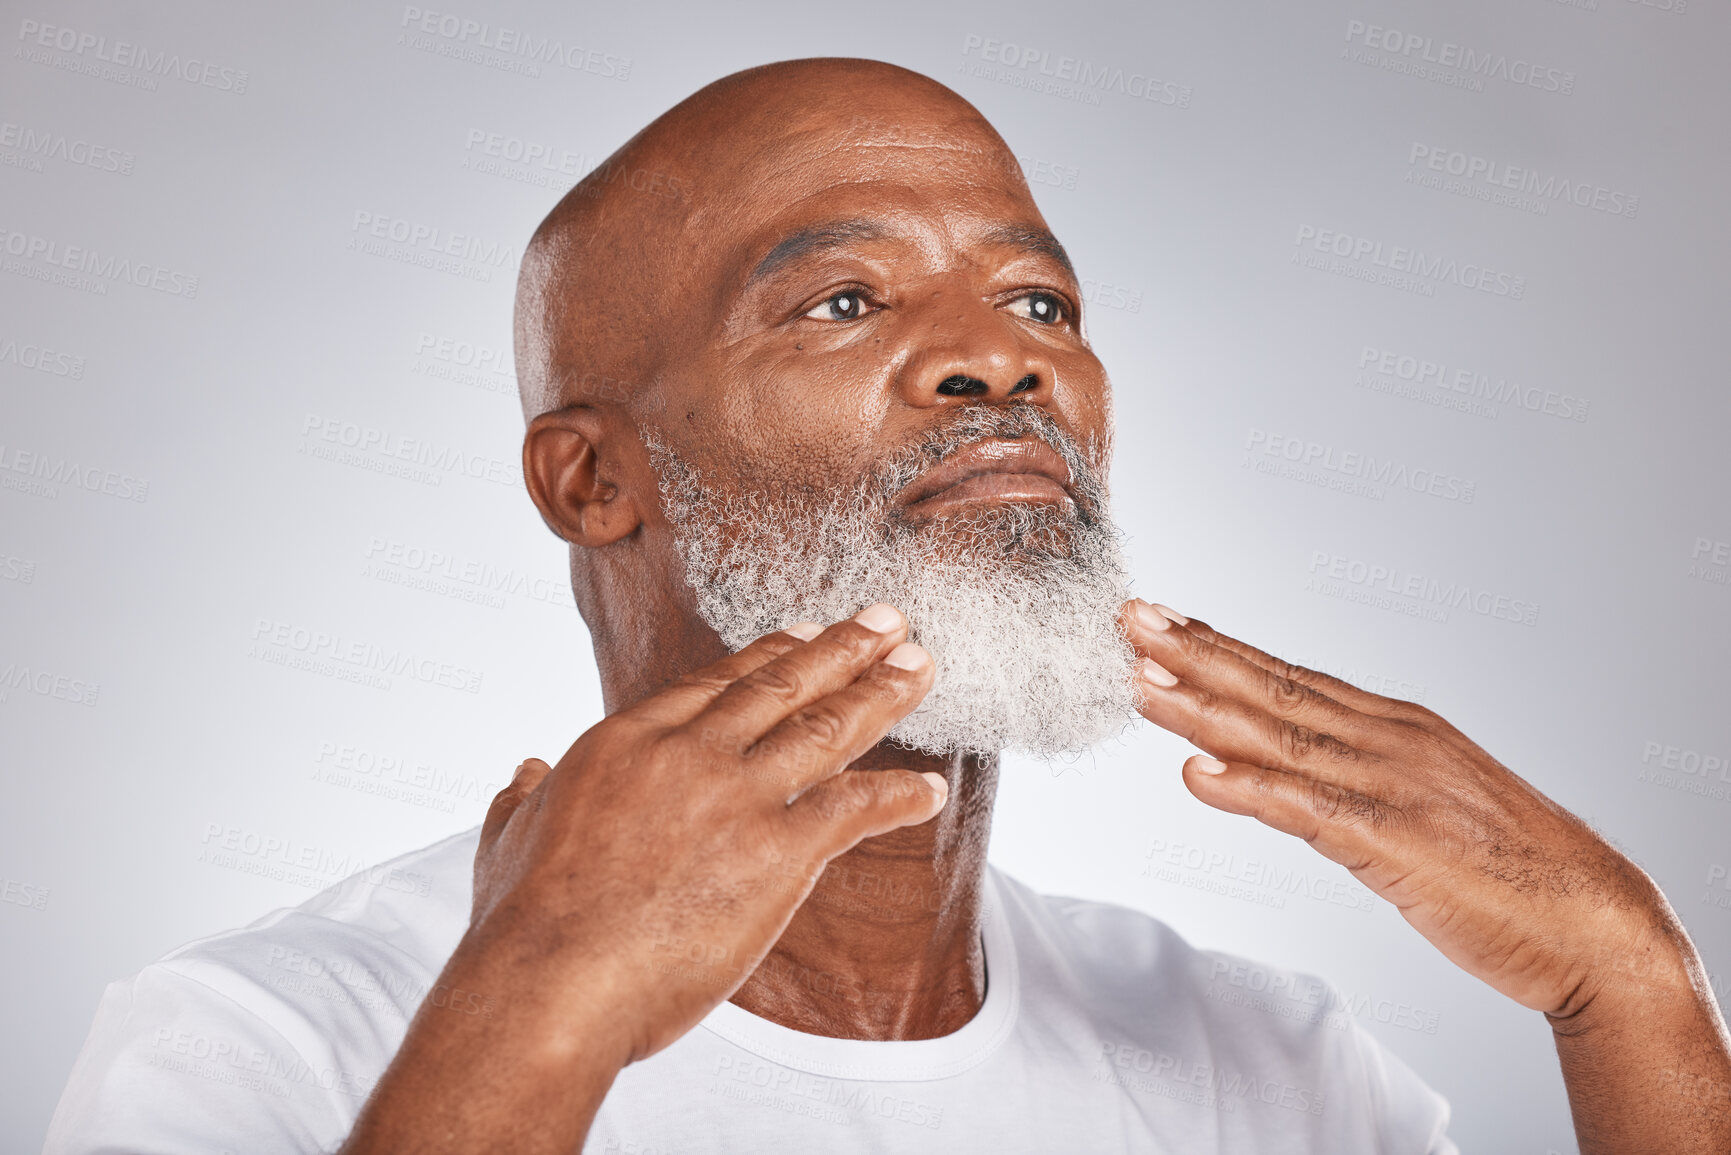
x=493, y=1062
x=1648, y=1061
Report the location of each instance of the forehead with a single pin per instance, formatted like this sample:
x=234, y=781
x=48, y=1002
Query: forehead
x=955, y=179
x=962, y=143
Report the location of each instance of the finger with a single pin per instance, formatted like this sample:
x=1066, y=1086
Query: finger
x=1286, y=682
x=1231, y=708
x=1346, y=826
x=1337, y=688
x=821, y=739
x=1194, y=657
x=1349, y=695
x=1236, y=731
x=834, y=815
x=506, y=802
x=690, y=695
x=1142, y=625
x=753, y=704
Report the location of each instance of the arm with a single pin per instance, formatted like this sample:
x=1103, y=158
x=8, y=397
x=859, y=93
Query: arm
x=659, y=826
x=1506, y=883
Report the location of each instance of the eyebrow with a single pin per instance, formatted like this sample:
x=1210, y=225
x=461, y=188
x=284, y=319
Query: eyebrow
x=838, y=234
x=816, y=239
x=1034, y=240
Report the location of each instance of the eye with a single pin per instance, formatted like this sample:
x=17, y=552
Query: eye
x=1046, y=308
x=849, y=305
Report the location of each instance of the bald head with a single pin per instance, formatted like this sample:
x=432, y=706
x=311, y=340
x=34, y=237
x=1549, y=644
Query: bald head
x=805, y=278
x=610, y=280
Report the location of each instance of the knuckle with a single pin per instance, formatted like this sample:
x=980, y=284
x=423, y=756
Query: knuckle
x=1327, y=801
x=862, y=789
x=824, y=725
x=900, y=793
x=1294, y=742
x=508, y=801
x=1418, y=715
x=712, y=739
x=885, y=685
x=709, y=681
x=1336, y=749
x=1198, y=651
x=766, y=647
x=1337, y=804
x=1302, y=744
x=775, y=681
x=825, y=807
x=897, y=787
x=842, y=797
x=1209, y=706
x=1284, y=693
x=1306, y=682
x=726, y=671
x=851, y=645
x=505, y=801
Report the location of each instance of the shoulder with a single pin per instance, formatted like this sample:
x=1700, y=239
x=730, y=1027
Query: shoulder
x=1118, y=957
x=358, y=950
x=1111, y=955
x=1163, y=1008
x=271, y=1035
x=416, y=903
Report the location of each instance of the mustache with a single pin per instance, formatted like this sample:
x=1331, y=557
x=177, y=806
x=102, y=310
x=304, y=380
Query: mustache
x=975, y=423
x=760, y=494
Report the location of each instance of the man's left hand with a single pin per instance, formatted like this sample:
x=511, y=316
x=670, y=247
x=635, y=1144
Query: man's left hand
x=1507, y=884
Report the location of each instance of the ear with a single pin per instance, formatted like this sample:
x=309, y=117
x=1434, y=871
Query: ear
x=563, y=466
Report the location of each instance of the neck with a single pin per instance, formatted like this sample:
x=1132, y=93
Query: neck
x=887, y=945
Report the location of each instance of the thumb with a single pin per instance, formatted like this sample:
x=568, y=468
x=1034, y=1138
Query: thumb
x=529, y=774
x=505, y=803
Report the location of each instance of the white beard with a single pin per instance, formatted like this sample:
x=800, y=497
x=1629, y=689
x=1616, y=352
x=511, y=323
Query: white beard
x=1018, y=604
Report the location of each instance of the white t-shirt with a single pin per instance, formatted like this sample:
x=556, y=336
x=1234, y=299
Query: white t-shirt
x=1101, y=1030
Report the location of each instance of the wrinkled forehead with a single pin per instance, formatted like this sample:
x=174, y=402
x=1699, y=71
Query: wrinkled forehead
x=937, y=166
x=960, y=143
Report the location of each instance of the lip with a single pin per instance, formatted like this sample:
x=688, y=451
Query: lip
x=995, y=469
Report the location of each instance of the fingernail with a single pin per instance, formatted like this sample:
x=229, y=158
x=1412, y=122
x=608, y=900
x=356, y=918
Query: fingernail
x=524, y=765
x=1173, y=614
x=1154, y=672
x=1151, y=618
x=880, y=619
x=908, y=656
x=804, y=631
x=1210, y=766
x=939, y=784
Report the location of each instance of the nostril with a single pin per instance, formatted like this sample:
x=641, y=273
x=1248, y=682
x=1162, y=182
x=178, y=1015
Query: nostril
x=1025, y=384
x=960, y=386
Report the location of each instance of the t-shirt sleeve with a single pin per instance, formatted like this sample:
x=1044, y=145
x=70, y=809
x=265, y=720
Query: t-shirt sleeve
x=1410, y=1116
x=174, y=1067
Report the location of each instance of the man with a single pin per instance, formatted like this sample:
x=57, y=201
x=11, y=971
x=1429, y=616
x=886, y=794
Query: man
x=750, y=909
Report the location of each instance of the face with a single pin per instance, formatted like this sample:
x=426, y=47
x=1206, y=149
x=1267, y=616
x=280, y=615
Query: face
x=882, y=280
x=895, y=403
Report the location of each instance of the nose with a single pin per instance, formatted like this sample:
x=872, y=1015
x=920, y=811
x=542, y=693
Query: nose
x=969, y=353
x=962, y=386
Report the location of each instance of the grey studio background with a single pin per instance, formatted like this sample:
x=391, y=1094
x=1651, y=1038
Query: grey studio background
x=1410, y=309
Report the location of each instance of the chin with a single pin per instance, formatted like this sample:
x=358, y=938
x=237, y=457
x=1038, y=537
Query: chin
x=1032, y=531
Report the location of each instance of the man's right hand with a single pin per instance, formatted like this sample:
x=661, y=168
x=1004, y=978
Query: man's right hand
x=623, y=894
